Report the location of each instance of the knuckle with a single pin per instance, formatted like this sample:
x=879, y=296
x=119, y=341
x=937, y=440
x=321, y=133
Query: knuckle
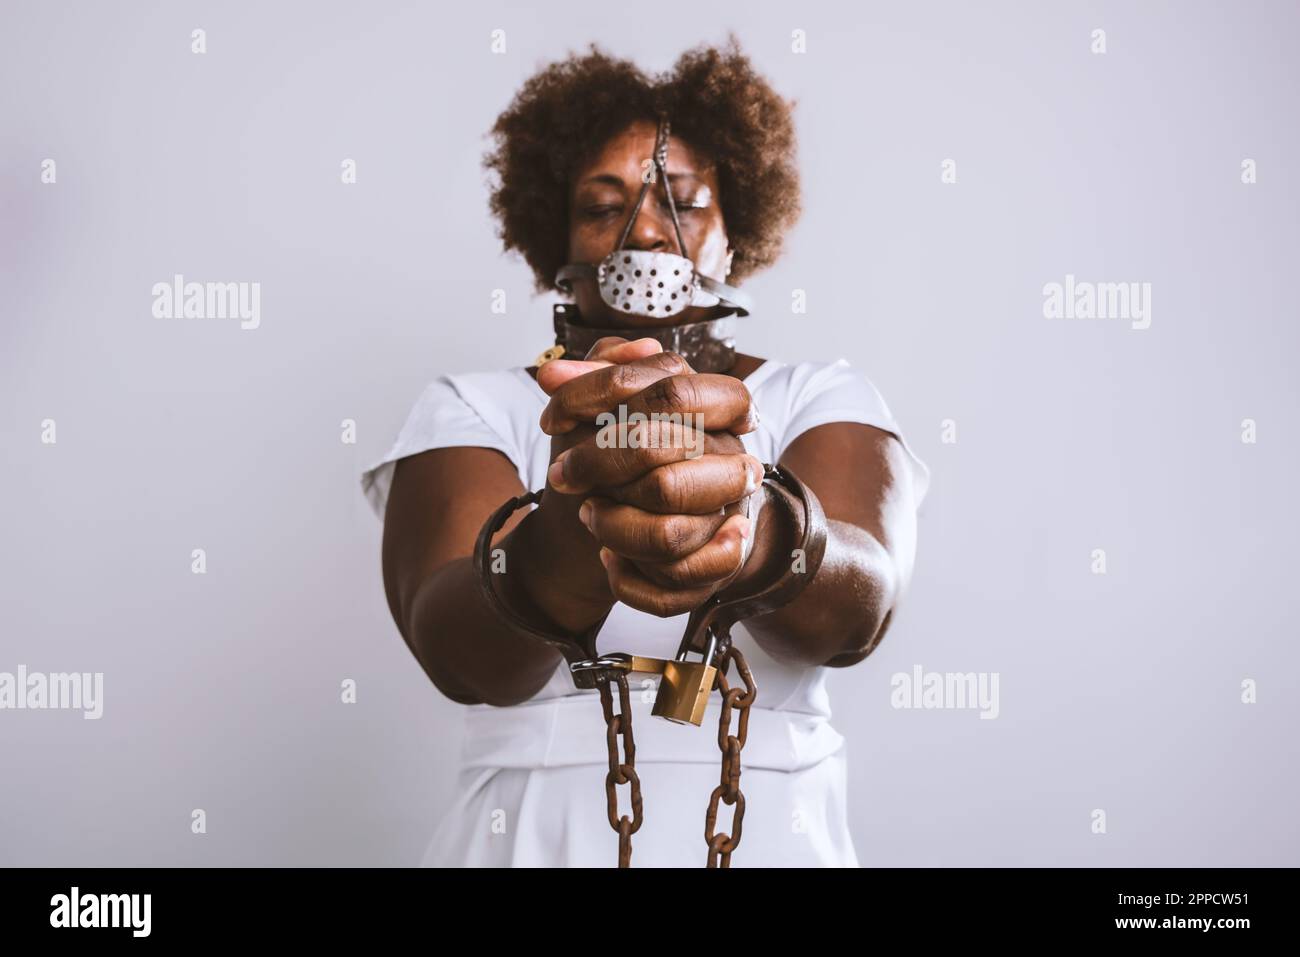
x=672, y=536
x=654, y=456
x=695, y=572
x=628, y=462
x=674, y=362
x=661, y=489
x=670, y=393
x=623, y=378
x=663, y=605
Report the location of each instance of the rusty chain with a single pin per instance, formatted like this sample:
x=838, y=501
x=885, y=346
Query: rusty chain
x=728, y=791
x=623, y=771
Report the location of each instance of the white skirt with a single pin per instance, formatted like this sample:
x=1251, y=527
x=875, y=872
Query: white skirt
x=532, y=791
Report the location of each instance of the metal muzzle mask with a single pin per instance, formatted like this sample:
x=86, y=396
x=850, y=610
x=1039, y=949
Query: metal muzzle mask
x=656, y=285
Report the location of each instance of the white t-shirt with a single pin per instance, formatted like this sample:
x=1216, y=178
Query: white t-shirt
x=533, y=762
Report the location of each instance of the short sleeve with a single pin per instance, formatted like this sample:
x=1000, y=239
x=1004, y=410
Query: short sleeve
x=821, y=393
x=442, y=418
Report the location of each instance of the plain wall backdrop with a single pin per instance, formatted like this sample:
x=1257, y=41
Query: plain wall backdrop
x=1119, y=691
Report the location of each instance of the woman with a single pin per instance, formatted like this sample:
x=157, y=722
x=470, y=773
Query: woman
x=629, y=541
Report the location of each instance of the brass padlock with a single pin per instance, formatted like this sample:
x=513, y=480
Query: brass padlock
x=685, y=687
x=684, y=691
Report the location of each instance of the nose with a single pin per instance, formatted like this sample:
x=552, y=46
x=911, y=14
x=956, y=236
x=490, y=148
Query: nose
x=652, y=230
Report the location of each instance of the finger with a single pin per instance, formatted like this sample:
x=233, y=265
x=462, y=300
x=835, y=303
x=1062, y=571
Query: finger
x=605, y=342
x=714, y=402
x=609, y=458
x=633, y=589
x=614, y=349
x=723, y=443
x=713, y=564
x=610, y=350
x=693, y=486
x=615, y=456
x=645, y=536
x=581, y=398
x=559, y=371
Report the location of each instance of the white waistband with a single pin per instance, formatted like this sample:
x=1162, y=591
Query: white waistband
x=571, y=730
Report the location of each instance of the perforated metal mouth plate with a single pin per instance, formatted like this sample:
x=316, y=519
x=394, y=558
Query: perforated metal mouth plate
x=645, y=283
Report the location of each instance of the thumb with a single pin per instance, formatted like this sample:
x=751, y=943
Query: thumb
x=606, y=352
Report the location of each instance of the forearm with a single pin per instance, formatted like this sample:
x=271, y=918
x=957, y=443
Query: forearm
x=470, y=653
x=468, y=650
x=843, y=612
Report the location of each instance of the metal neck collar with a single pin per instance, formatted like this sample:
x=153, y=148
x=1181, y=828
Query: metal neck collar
x=709, y=345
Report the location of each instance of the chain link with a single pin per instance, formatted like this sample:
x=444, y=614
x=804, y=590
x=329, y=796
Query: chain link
x=728, y=790
x=621, y=772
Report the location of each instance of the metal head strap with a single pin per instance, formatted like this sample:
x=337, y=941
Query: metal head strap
x=658, y=170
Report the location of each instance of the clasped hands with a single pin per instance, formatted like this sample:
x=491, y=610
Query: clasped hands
x=665, y=499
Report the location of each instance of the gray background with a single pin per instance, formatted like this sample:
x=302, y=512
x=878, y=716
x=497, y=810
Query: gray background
x=1119, y=692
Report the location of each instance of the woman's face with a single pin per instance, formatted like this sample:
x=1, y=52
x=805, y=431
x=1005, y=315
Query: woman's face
x=601, y=198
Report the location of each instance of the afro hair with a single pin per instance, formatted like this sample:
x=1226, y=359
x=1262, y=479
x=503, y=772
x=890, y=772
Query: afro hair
x=716, y=102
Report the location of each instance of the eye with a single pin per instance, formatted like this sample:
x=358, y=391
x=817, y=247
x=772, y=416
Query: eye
x=598, y=211
x=685, y=203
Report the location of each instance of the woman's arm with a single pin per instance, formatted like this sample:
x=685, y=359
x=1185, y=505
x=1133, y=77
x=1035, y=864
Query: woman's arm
x=863, y=480
x=437, y=505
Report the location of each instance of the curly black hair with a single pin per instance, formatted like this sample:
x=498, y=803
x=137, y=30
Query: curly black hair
x=715, y=101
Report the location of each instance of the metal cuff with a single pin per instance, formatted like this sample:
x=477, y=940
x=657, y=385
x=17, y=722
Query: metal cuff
x=574, y=648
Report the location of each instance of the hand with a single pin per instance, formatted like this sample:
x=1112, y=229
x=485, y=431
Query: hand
x=671, y=524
